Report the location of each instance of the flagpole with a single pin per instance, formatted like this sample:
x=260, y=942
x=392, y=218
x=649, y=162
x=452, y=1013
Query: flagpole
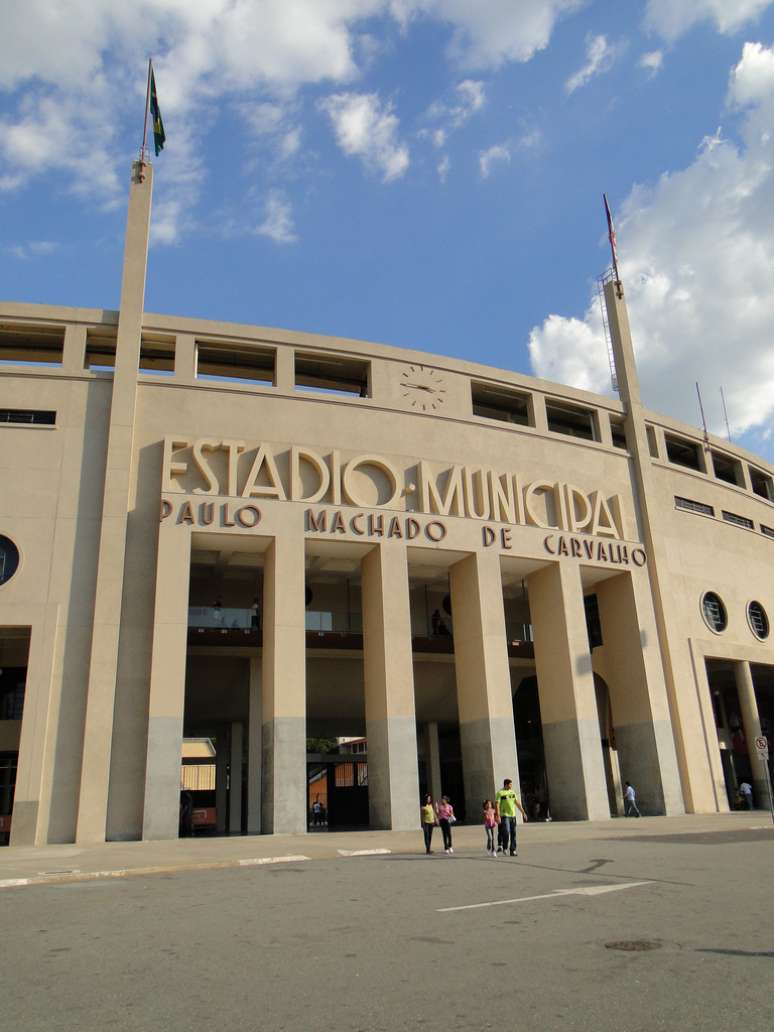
x=613, y=246
x=144, y=149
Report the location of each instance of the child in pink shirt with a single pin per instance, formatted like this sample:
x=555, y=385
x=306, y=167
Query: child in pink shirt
x=490, y=823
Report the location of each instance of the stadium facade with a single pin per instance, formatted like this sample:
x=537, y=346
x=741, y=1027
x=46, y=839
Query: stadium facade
x=225, y=550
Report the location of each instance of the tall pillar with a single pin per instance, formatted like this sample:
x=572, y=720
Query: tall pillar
x=254, y=750
x=568, y=704
x=166, y=705
x=638, y=696
x=434, y=760
x=751, y=723
x=283, y=780
x=103, y=664
x=484, y=699
x=391, y=730
x=235, y=793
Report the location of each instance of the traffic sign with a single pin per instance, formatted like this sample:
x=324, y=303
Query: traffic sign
x=762, y=745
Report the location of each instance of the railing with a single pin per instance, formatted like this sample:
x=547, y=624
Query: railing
x=220, y=617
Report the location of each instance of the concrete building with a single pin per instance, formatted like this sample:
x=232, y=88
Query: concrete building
x=269, y=541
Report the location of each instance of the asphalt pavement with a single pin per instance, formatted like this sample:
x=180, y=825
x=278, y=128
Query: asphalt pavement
x=654, y=925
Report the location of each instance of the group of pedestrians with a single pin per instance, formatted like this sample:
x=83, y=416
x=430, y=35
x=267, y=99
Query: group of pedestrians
x=499, y=815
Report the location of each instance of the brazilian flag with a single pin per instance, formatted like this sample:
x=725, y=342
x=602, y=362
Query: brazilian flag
x=159, y=136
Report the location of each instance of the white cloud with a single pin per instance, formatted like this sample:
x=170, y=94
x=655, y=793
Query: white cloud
x=278, y=222
x=600, y=56
x=444, y=166
x=367, y=129
x=672, y=18
x=652, y=61
x=752, y=80
x=32, y=249
x=496, y=155
x=697, y=260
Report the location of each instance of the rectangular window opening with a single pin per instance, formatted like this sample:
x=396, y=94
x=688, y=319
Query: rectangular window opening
x=738, y=521
x=100, y=354
x=683, y=453
x=691, y=506
x=31, y=345
x=768, y=531
x=650, y=432
x=335, y=374
x=157, y=356
x=571, y=420
x=30, y=417
x=617, y=432
x=727, y=469
x=500, y=403
x=235, y=363
x=762, y=484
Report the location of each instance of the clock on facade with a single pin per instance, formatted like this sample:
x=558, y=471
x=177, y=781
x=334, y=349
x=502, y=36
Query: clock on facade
x=423, y=387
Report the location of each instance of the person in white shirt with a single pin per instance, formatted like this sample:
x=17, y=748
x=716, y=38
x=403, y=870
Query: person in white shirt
x=630, y=801
x=745, y=791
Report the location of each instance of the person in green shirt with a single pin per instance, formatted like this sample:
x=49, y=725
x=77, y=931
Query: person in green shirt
x=506, y=804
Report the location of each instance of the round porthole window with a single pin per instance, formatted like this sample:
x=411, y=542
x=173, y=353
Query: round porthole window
x=758, y=620
x=714, y=612
x=9, y=559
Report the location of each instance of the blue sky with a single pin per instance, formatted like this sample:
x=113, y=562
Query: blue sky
x=425, y=173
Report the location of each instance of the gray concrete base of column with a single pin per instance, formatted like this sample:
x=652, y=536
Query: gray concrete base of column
x=283, y=776
x=393, y=775
x=760, y=794
x=575, y=771
x=161, y=813
x=488, y=757
x=644, y=752
x=24, y=823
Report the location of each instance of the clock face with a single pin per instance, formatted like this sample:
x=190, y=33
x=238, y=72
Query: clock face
x=423, y=388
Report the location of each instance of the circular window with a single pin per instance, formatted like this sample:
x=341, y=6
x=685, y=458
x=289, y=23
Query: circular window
x=714, y=612
x=9, y=559
x=758, y=620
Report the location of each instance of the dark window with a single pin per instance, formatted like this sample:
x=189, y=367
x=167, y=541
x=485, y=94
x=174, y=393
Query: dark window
x=338, y=374
x=652, y=441
x=9, y=559
x=727, y=469
x=690, y=506
x=759, y=621
x=508, y=406
x=157, y=355
x=738, y=521
x=100, y=352
x=242, y=363
x=768, y=531
x=714, y=611
x=762, y=484
x=569, y=419
x=618, y=433
x=37, y=418
x=39, y=344
x=682, y=452
x=593, y=622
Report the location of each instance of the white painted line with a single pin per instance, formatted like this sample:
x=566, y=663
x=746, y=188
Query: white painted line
x=11, y=883
x=362, y=852
x=260, y=860
x=591, y=890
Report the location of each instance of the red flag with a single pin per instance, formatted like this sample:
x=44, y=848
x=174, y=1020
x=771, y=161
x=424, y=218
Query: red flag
x=611, y=235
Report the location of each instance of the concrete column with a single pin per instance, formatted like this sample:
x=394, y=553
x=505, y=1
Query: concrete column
x=222, y=758
x=74, y=350
x=185, y=357
x=166, y=705
x=103, y=665
x=638, y=695
x=285, y=368
x=484, y=700
x=235, y=795
x=434, y=760
x=391, y=730
x=568, y=705
x=283, y=779
x=751, y=723
x=254, y=750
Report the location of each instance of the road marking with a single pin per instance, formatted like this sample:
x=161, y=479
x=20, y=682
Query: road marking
x=11, y=883
x=591, y=890
x=259, y=860
x=362, y=852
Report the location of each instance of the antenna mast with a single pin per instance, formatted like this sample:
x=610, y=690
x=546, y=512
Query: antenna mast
x=703, y=420
x=725, y=413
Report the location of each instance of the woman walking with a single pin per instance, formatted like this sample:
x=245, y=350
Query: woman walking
x=427, y=817
x=490, y=823
x=446, y=818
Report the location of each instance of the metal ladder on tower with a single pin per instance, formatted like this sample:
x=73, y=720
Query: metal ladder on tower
x=601, y=280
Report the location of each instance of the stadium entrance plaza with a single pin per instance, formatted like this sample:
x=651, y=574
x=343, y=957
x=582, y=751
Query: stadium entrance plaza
x=661, y=923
